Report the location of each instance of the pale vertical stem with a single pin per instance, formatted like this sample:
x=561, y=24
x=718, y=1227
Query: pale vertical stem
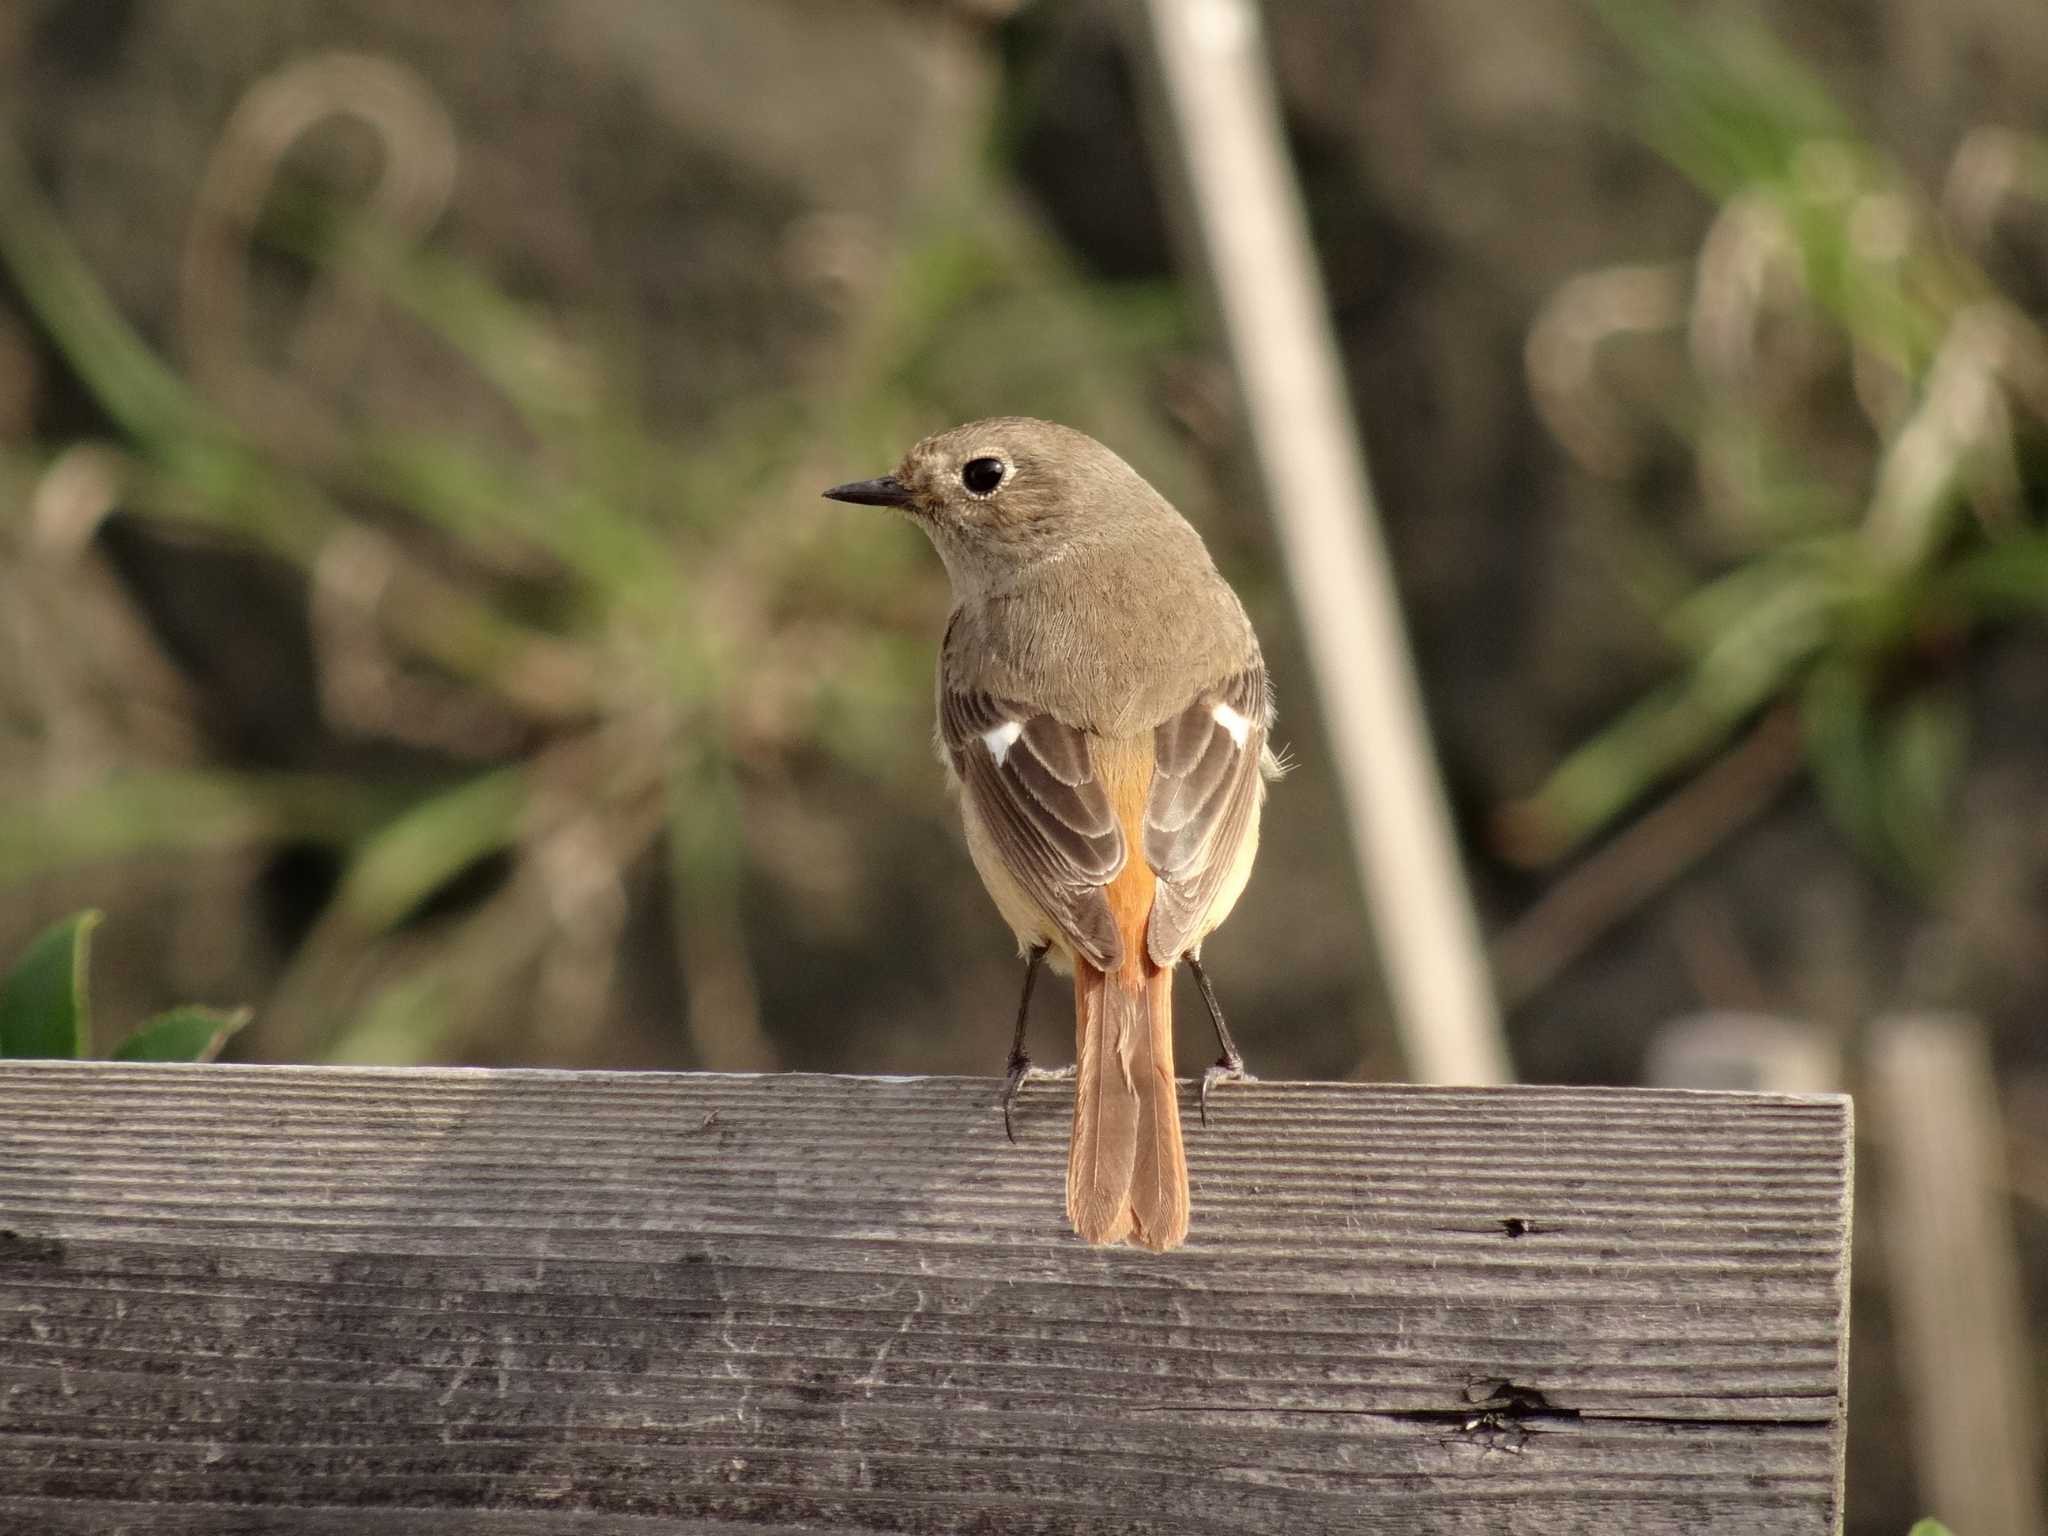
x=1955, y=1286
x=1223, y=126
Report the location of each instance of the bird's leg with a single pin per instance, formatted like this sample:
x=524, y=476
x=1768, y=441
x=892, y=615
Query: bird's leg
x=1229, y=1066
x=1020, y=1068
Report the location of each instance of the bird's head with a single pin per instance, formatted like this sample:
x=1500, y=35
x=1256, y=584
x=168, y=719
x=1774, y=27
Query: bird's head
x=1011, y=491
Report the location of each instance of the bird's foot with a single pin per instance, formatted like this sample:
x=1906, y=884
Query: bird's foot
x=1022, y=1072
x=1228, y=1069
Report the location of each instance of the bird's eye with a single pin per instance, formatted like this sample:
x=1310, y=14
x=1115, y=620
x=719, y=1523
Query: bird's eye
x=982, y=476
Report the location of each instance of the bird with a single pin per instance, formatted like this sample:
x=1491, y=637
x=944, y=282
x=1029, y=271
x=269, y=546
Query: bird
x=1103, y=713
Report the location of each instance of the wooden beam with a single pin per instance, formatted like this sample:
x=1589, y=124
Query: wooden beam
x=321, y=1300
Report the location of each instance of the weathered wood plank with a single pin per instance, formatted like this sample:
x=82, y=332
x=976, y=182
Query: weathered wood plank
x=312, y=1300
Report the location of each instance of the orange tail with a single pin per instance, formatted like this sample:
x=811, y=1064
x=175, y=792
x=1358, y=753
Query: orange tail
x=1127, y=1174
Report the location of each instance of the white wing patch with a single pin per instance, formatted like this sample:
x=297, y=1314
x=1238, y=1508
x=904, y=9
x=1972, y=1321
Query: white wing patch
x=1231, y=721
x=1001, y=739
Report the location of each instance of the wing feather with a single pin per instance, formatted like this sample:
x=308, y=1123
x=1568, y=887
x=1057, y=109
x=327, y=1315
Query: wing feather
x=1205, y=786
x=1033, y=781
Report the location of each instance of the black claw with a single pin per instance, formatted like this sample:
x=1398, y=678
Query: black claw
x=1229, y=1066
x=1019, y=1066
x=1019, y=1063
x=1228, y=1069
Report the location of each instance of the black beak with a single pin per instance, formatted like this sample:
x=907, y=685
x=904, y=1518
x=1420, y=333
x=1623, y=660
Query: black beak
x=885, y=492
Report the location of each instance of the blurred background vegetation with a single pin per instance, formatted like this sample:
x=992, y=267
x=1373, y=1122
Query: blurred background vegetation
x=418, y=620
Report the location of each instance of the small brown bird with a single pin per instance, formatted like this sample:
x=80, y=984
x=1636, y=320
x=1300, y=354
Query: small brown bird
x=1103, y=709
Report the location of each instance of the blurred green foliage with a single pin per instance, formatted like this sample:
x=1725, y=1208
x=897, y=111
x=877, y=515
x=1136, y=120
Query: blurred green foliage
x=1866, y=553
x=602, y=633
x=45, y=1008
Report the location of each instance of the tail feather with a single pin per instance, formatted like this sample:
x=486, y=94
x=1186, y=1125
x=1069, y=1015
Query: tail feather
x=1159, y=1176
x=1126, y=1169
x=1105, y=1141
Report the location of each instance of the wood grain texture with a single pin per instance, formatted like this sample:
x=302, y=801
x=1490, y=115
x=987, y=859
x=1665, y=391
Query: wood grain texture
x=245, y=1299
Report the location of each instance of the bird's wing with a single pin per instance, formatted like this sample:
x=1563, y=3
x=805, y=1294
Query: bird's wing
x=1033, y=779
x=1205, y=786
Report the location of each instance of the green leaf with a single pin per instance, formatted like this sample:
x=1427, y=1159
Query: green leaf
x=1755, y=657
x=1835, y=712
x=170, y=812
x=421, y=851
x=1887, y=771
x=403, y=1025
x=43, y=1008
x=129, y=381
x=2008, y=579
x=1780, y=591
x=481, y=500
x=1606, y=774
x=182, y=1034
x=1924, y=746
x=1928, y=1528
